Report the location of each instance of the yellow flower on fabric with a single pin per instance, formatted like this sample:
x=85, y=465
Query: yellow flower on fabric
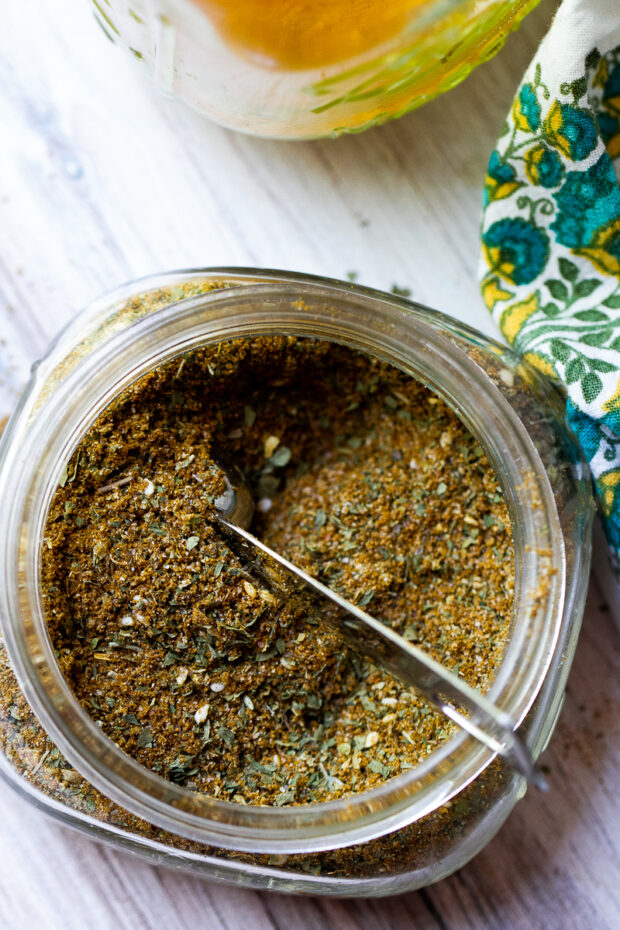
x=602, y=259
x=552, y=126
x=571, y=130
x=601, y=74
x=492, y=293
x=613, y=146
x=532, y=159
x=604, y=249
x=543, y=166
x=611, y=92
x=526, y=109
x=501, y=179
x=513, y=318
x=613, y=404
x=493, y=256
x=542, y=363
x=608, y=488
x=613, y=104
x=497, y=191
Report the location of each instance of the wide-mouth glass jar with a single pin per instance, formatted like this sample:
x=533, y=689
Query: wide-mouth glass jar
x=438, y=814
x=295, y=69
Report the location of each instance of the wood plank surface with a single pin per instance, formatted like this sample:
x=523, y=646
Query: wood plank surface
x=102, y=180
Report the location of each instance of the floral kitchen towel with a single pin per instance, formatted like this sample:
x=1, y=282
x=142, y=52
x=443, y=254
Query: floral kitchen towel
x=550, y=270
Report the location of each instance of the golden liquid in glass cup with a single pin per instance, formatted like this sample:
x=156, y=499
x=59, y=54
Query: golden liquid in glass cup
x=308, y=33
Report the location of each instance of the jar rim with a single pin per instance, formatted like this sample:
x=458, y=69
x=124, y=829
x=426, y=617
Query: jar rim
x=49, y=424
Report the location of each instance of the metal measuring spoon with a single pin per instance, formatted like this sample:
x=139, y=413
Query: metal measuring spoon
x=378, y=643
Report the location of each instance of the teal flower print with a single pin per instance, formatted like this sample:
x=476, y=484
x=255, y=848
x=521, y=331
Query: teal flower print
x=608, y=126
x=501, y=180
x=607, y=486
x=516, y=249
x=596, y=437
x=587, y=431
x=551, y=250
x=526, y=109
x=588, y=214
x=543, y=166
x=611, y=93
x=570, y=130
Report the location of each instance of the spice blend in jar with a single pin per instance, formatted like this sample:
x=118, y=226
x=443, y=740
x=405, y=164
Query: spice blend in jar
x=363, y=478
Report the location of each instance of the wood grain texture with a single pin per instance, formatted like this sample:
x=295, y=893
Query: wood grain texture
x=101, y=180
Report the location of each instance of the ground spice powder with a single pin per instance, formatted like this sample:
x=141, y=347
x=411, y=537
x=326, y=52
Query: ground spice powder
x=363, y=477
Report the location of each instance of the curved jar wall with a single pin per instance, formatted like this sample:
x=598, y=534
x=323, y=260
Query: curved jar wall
x=433, y=818
x=308, y=68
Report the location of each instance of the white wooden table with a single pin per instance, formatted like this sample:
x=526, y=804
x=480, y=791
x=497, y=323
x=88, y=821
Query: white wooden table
x=102, y=180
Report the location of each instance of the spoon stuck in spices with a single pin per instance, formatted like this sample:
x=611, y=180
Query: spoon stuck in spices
x=445, y=690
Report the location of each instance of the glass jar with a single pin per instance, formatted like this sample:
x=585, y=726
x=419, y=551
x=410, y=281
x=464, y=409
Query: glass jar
x=434, y=817
x=294, y=69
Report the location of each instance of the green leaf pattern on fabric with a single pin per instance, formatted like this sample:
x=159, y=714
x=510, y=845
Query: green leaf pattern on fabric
x=550, y=271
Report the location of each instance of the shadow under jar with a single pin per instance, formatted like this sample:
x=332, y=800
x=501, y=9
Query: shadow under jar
x=412, y=829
